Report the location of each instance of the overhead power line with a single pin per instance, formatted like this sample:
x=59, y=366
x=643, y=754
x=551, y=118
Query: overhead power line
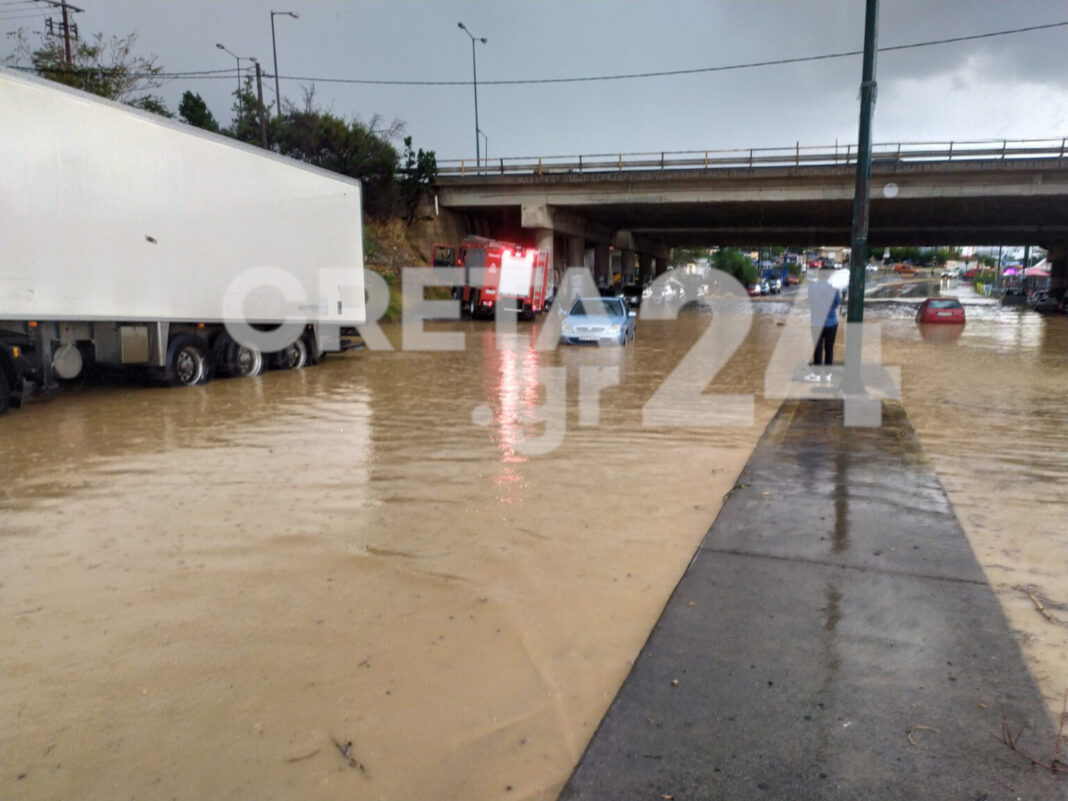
x=212, y=74
x=693, y=71
x=191, y=74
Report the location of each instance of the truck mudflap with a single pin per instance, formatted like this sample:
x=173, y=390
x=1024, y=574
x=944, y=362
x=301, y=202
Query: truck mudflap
x=18, y=362
x=22, y=393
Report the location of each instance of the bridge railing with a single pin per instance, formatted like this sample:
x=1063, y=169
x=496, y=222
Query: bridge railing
x=797, y=155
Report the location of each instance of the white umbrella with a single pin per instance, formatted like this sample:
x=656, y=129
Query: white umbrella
x=839, y=279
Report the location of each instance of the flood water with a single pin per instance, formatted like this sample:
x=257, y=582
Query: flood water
x=202, y=589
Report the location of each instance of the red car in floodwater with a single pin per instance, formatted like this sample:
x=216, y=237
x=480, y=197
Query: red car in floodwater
x=941, y=310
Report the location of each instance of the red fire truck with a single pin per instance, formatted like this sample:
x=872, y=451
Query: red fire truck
x=512, y=273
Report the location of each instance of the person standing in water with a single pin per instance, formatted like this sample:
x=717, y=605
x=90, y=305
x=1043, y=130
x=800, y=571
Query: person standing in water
x=823, y=300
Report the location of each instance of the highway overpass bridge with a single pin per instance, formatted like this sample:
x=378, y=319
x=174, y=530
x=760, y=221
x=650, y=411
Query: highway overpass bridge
x=972, y=193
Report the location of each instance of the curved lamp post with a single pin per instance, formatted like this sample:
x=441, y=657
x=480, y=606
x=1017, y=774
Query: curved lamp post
x=274, y=48
x=238, y=59
x=474, y=72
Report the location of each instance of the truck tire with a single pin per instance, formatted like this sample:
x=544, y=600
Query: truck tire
x=472, y=304
x=293, y=357
x=236, y=360
x=187, y=361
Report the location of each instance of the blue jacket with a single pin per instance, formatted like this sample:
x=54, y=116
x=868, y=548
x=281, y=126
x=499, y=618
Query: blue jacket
x=822, y=295
x=832, y=315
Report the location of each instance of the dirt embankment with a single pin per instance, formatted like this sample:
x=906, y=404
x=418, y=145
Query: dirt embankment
x=391, y=245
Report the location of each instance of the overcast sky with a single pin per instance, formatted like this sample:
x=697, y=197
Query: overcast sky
x=1012, y=86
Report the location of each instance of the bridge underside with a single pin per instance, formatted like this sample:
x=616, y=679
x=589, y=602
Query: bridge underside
x=1014, y=202
x=828, y=222
x=943, y=221
x=976, y=202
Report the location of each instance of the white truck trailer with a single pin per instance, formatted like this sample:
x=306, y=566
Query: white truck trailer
x=128, y=240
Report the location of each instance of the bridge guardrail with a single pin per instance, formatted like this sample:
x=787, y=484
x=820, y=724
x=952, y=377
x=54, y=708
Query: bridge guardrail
x=796, y=156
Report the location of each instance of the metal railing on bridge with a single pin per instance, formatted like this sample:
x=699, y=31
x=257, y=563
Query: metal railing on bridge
x=796, y=156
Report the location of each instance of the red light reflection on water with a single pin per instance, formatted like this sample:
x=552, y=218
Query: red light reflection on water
x=514, y=385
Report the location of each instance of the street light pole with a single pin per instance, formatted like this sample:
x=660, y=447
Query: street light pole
x=858, y=257
x=274, y=48
x=237, y=58
x=474, y=73
x=261, y=114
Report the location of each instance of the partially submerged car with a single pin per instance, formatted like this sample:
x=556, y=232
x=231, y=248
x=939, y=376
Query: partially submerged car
x=1014, y=295
x=1042, y=301
x=598, y=321
x=940, y=310
x=632, y=294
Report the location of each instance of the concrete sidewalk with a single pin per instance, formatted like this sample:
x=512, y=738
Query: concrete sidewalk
x=834, y=637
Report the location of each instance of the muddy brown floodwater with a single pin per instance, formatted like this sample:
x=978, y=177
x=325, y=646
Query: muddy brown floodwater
x=202, y=589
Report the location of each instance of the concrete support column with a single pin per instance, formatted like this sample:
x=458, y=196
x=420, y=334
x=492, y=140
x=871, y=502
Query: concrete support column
x=1058, y=273
x=602, y=264
x=645, y=268
x=661, y=265
x=545, y=240
x=627, y=264
x=576, y=251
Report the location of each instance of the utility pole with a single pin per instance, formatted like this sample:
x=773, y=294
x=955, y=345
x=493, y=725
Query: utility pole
x=858, y=257
x=259, y=92
x=65, y=8
x=66, y=33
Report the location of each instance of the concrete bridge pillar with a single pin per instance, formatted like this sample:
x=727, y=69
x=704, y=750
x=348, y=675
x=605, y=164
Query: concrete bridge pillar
x=661, y=265
x=602, y=263
x=626, y=265
x=576, y=251
x=645, y=268
x=1058, y=273
x=545, y=240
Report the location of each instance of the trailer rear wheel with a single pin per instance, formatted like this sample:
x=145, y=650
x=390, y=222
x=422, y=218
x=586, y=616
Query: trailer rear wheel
x=293, y=357
x=187, y=361
x=246, y=361
x=234, y=359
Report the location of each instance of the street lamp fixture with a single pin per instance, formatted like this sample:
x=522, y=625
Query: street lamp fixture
x=474, y=73
x=274, y=47
x=238, y=59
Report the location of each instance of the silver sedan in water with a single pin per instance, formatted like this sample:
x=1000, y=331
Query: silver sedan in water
x=598, y=321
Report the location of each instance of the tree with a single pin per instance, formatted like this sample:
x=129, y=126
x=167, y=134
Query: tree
x=419, y=172
x=686, y=255
x=349, y=147
x=195, y=111
x=245, y=124
x=910, y=254
x=940, y=256
x=105, y=67
x=734, y=262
